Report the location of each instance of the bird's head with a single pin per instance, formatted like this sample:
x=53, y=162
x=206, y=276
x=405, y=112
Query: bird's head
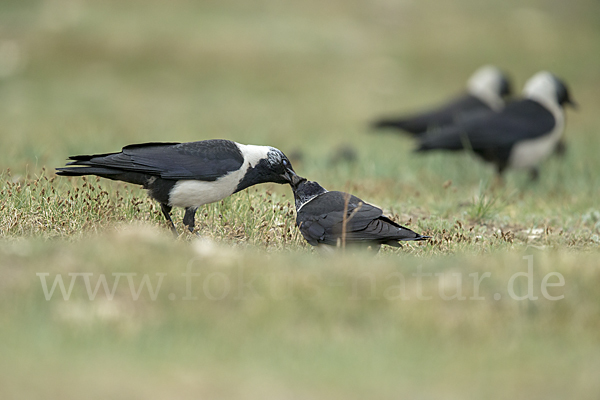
x=490, y=85
x=281, y=168
x=266, y=164
x=306, y=190
x=549, y=90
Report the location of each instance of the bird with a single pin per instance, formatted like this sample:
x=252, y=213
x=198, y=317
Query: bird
x=343, y=154
x=520, y=136
x=187, y=175
x=337, y=218
x=486, y=91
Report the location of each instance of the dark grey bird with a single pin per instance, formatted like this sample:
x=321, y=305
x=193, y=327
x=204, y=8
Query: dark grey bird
x=522, y=135
x=486, y=90
x=322, y=216
x=343, y=154
x=187, y=175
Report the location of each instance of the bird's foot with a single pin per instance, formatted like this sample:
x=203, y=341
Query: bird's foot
x=193, y=231
x=534, y=175
x=498, y=183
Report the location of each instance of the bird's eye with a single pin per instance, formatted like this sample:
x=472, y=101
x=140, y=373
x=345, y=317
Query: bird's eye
x=285, y=163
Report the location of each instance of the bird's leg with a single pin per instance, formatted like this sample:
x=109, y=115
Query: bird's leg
x=188, y=218
x=561, y=148
x=534, y=174
x=498, y=179
x=166, y=210
x=374, y=248
x=498, y=183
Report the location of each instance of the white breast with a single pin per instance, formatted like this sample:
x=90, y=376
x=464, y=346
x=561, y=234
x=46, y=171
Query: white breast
x=485, y=85
x=529, y=153
x=191, y=193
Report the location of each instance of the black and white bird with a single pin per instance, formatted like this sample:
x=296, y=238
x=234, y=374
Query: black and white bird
x=522, y=135
x=188, y=175
x=486, y=91
x=322, y=216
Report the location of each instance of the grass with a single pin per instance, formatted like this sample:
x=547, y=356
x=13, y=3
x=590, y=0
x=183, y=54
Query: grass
x=294, y=325
x=273, y=318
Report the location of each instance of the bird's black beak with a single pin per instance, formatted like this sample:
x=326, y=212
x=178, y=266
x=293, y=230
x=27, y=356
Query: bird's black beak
x=293, y=179
x=572, y=103
x=505, y=88
x=296, y=181
x=289, y=175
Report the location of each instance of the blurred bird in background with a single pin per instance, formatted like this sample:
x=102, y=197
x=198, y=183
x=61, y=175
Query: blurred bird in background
x=487, y=90
x=522, y=135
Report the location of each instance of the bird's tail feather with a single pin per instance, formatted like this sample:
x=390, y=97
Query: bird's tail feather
x=80, y=171
x=406, y=126
x=418, y=237
x=396, y=242
x=105, y=172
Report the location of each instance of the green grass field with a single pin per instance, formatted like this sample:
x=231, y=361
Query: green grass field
x=267, y=316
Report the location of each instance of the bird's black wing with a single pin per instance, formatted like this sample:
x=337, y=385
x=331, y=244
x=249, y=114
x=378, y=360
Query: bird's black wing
x=321, y=219
x=205, y=160
x=384, y=231
x=321, y=222
x=454, y=111
x=520, y=120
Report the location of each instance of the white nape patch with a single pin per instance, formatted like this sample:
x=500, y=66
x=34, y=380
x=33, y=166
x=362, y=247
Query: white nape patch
x=253, y=154
x=542, y=88
x=529, y=153
x=195, y=193
x=485, y=84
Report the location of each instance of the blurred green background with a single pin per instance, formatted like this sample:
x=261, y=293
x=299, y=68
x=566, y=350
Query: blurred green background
x=307, y=76
x=82, y=76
